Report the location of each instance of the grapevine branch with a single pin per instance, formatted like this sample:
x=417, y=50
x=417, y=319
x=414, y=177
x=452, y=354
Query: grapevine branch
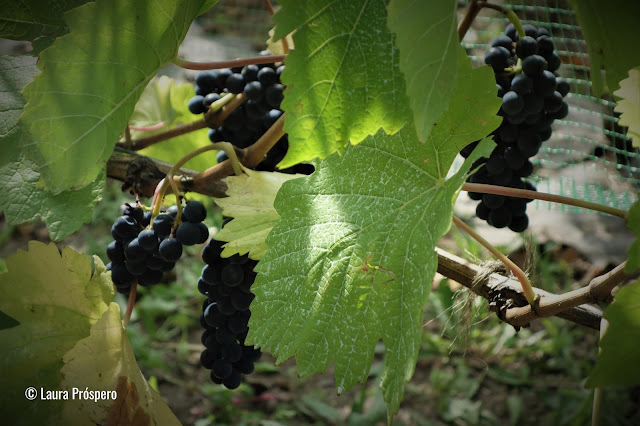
x=500, y=291
x=598, y=290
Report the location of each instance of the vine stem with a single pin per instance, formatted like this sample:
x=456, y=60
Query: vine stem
x=131, y=301
x=535, y=195
x=508, y=13
x=169, y=180
x=220, y=108
x=469, y=15
x=201, y=66
x=250, y=157
x=269, y=7
x=517, y=272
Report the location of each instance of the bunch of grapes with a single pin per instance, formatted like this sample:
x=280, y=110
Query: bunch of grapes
x=227, y=284
x=143, y=249
x=532, y=98
x=264, y=92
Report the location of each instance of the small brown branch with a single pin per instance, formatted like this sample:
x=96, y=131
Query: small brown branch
x=143, y=143
x=130, y=303
x=269, y=7
x=127, y=138
x=254, y=60
x=500, y=290
x=598, y=290
x=469, y=15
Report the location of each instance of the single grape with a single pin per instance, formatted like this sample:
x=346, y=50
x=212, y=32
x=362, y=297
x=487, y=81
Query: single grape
x=151, y=277
x=115, y=251
x=267, y=76
x=253, y=91
x=502, y=41
x=534, y=65
x=500, y=217
x=526, y=46
x=221, y=368
x=233, y=380
x=497, y=58
x=196, y=105
x=162, y=225
x=250, y=72
x=210, y=98
x=125, y=228
x=512, y=103
x=206, y=80
x=273, y=95
x=194, y=211
x=148, y=239
x=170, y=249
x=522, y=84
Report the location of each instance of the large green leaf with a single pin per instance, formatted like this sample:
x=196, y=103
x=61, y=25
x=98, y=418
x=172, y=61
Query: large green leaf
x=617, y=362
x=352, y=257
x=105, y=361
x=343, y=81
x=629, y=105
x=24, y=200
x=92, y=77
x=28, y=19
x=56, y=298
x=427, y=38
x=610, y=29
x=15, y=73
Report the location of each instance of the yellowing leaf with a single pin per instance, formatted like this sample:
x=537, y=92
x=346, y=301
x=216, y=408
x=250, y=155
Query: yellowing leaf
x=56, y=298
x=629, y=105
x=104, y=361
x=250, y=203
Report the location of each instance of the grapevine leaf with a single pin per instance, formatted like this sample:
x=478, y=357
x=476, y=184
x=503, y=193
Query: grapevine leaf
x=56, y=299
x=28, y=19
x=250, y=203
x=633, y=223
x=629, y=105
x=351, y=259
x=15, y=73
x=24, y=200
x=427, y=38
x=105, y=361
x=617, y=363
x=92, y=77
x=343, y=81
x=615, y=51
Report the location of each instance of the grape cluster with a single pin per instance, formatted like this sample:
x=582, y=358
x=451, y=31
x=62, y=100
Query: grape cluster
x=532, y=98
x=227, y=284
x=143, y=249
x=264, y=92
